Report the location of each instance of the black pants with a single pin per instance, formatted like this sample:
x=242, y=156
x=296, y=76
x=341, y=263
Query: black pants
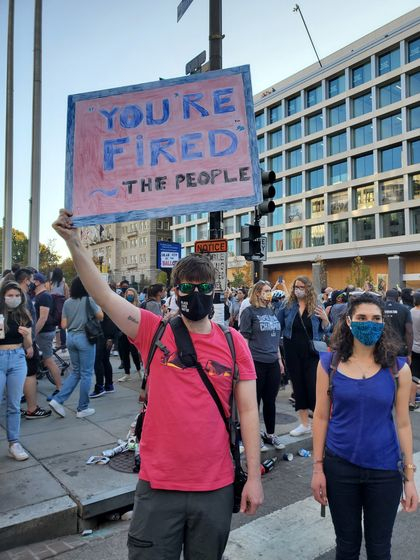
x=126, y=348
x=415, y=364
x=268, y=384
x=352, y=490
x=103, y=367
x=301, y=366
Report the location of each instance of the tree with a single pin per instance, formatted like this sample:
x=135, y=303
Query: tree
x=360, y=272
x=68, y=269
x=238, y=279
x=48, y=257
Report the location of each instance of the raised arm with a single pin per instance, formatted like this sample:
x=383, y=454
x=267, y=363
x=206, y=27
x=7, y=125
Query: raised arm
x=122, y=312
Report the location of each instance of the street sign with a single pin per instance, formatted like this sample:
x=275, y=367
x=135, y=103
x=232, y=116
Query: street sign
x=168, y=254
x=263, y=248
x=211, y=246
x=195, y=64
x=182, y=8
x=219, y=261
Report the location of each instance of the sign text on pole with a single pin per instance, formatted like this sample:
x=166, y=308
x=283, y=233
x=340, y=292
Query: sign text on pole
x=211, y=246
x=166, y=148
x=168, y=254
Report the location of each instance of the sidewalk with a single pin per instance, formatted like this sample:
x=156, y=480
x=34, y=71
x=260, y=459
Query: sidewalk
x=54, y=492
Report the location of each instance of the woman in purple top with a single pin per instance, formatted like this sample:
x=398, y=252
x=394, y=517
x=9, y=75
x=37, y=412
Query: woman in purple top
x=359, y=452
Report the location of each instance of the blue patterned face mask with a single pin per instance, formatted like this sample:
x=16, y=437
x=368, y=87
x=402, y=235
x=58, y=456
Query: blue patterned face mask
x=367, y=332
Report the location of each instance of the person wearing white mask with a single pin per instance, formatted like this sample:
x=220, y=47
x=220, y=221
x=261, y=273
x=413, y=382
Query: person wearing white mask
x=15, y=344
x=302, y=321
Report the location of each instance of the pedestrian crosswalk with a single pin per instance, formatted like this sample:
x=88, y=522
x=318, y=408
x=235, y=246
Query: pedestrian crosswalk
x=295, y=531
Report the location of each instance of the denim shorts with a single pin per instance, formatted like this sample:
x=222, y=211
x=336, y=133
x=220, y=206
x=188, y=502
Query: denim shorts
x=45, y=343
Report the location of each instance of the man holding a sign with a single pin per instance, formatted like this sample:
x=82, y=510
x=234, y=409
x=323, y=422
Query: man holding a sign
x=184, y=497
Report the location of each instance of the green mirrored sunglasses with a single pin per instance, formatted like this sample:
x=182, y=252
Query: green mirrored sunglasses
x=203, y=288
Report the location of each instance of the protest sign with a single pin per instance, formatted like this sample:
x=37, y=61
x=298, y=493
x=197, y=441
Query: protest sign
x=164, y=148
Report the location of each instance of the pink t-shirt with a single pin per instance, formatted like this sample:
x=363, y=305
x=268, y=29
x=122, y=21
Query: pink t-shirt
x=184, y=443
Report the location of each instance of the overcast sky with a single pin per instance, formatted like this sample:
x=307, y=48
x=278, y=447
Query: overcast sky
x=98, y=44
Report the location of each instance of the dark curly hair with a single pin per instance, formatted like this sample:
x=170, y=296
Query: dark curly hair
x=386, y=349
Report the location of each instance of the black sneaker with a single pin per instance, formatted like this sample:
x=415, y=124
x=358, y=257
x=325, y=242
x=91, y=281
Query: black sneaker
x=121, y=366
x=38, y=413
x=109, y=388
x=98, y=392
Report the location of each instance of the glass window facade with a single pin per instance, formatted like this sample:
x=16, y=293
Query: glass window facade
x=360, y=74
x=294, y=212
x=413, y=50
x=294, y=131
x=364, y=197
x=275, y=113
x=362, y=104
x=294, y=105
x=338, y=202
x=364, y=228
x=275, y=139
x=315, y=123
x=388, y=61
x=415, y=220
x=275, y=241
x=339, y=232
x=337, y=114
x=276, y=218
x=294, y=184
x=294, y=157
x=229, y=225
x=315, y=208
x=316, y=235
x=261, y=144
x=414, y=118
x=276, y=163
x=390, y=158
x=315, y=150
x=314, y=96
x=362, y=135
x=415, y=186
x=294, y=238
x=338, y=172
x=414, y=148
x=231, y=248
x=414, y=83
x=390, y=93
x=337, y=143
x=390, y=126
x=391, y=191
x=362, y=166
x=393, y=224
x=336, y=85
x=315, y=178
x=259, y=120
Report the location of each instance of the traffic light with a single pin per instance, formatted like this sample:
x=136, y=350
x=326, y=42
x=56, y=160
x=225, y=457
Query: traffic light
x=250, y=241
x=268, y=205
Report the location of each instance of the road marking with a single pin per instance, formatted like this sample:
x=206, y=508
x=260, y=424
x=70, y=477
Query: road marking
x=297, y=531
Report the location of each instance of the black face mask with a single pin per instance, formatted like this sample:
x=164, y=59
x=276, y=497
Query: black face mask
x=195, y=306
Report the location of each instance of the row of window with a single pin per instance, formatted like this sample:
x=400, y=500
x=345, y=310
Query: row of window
x=360, y=105
x=358, y=75
x=363, y=165
x=391, y=224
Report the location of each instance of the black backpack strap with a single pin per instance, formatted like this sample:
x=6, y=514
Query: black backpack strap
x=156, y=343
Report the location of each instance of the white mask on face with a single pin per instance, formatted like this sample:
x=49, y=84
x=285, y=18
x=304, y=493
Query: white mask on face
x=300, y=293
x=13, y=301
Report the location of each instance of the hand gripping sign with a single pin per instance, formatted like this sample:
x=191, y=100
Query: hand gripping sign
x=165, y=148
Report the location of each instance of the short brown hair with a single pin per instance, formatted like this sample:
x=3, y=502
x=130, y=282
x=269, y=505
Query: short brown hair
x=194, y=268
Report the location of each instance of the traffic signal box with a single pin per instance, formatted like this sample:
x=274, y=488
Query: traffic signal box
x=250, y=241
x=268, y=205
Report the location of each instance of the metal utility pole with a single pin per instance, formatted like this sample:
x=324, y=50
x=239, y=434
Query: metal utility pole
x=8, y=167
x=297, y=9
x=36, y=141
x=215, y=60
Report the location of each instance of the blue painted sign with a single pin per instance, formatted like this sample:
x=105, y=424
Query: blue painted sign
x=168, y=254
x=165, y=148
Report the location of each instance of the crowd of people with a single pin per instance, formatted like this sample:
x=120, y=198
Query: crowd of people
x=346, y=352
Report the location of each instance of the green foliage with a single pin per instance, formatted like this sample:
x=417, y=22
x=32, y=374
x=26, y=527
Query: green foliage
x=162, y=278
x=48, y=257
x=68, y=269
x=238, y=279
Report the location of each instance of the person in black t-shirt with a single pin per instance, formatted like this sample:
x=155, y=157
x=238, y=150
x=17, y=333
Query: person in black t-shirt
x=399, y=317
